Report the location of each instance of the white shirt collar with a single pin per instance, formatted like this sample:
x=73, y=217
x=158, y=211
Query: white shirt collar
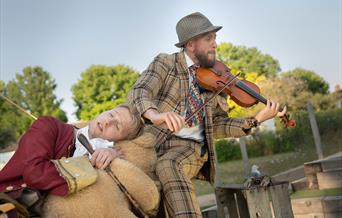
x=95, y=142
x=188, y=60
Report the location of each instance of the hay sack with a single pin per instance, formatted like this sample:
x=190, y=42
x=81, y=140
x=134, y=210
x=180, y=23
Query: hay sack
x=138, y=184
x=102, y=199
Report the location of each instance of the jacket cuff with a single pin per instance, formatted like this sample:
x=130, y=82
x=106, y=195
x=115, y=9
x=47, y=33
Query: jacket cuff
x=76, y=171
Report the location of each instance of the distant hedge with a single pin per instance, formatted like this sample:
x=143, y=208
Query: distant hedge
x=329, y=122
x=262, y=143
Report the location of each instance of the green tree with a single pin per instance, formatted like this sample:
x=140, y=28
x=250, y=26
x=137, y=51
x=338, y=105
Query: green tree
x=294, y=93
x=316, y=84
x=246, y=60
x=33, y=90
x=7, y=132
x=101, y=88
x=288, y=91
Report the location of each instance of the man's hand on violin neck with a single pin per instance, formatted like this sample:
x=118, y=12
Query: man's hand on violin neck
x=270, y=111
x=167, y=120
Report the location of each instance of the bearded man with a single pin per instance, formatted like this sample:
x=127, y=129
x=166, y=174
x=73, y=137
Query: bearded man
x=166, y=94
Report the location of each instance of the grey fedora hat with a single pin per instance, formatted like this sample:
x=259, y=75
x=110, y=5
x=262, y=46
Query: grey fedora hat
x=193, y=25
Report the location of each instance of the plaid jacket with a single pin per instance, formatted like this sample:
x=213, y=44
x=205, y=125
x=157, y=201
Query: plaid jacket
x=164, y=86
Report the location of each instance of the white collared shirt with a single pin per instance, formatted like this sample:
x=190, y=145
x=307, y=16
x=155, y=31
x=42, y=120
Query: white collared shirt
x=94, y=142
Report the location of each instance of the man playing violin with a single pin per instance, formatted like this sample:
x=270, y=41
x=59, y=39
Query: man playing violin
x=167, y=94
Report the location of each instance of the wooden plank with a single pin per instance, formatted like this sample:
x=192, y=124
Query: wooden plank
x=332, y=179
x=333, y=164
x=258, y=203
x=241, y=203
x=232, y=186
x=310, y=171
x=320, y=215
x=311, y=215
x=299, y=184
x=310, y=168
x=332, y=204
x=281, y=201
x=333, y=215
x=307, y=205
x=226, y=203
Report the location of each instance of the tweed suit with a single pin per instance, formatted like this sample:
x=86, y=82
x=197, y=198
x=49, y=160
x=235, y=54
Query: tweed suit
x=164, y=86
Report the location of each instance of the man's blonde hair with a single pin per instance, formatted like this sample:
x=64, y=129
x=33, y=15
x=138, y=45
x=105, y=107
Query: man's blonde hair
x=136, y=125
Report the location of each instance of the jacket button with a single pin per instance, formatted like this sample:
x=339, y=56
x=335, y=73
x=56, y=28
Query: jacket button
x=9, y=188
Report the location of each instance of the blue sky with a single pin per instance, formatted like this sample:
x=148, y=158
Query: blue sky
x=65, y=37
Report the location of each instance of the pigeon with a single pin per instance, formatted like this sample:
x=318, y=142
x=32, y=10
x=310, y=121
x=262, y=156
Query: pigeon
x=255, y=171
x=257, y=179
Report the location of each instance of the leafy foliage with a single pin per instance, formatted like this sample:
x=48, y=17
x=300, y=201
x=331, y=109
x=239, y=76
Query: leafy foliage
x=293, y=92
x=263, y=142
x=316, y=84
x=33, y=91
x=227, y=149
x=241, y=58
x=101, y=88
x=7, y=134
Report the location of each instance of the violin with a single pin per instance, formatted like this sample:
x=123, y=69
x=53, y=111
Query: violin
x=218, y=79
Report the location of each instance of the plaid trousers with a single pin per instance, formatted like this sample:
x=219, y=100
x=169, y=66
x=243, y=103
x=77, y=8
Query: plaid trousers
x=175, y=169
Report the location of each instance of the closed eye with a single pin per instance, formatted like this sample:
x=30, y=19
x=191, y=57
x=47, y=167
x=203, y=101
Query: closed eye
x=117, y=122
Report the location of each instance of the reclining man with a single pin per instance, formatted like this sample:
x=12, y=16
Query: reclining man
x=49, y=139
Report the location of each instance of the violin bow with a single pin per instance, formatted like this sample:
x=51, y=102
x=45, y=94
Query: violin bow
x=205, y=102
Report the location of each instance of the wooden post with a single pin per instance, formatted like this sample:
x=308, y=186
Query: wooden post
x=244, y=155
x=258, y=201
x=281, y=201
x=235, y=200
x=315, y=131
x=231, y=201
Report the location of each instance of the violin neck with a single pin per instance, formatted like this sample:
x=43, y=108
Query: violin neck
x=250, y=91
x=253, y=93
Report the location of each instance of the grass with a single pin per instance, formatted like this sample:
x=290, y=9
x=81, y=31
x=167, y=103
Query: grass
x=316, y=193
x=233, y=171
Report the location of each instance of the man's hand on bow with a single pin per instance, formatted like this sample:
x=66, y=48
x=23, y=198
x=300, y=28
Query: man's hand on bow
x=167, y=120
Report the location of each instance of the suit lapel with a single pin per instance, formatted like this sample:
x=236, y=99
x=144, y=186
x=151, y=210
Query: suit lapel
x=183, y=80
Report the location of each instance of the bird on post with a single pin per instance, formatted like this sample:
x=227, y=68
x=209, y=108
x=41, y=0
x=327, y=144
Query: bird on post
x=258, y=179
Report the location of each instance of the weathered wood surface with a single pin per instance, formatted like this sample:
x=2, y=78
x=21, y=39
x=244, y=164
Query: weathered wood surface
x=258, y=203
x=281, y=201
x=235, y=200
x=327, y=180
x=231, y=202
x=330, y=206
x=324, y=174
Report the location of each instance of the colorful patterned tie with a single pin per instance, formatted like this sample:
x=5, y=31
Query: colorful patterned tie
x=194, y=100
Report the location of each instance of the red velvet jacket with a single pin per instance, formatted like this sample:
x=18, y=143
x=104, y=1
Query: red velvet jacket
x=46, y=139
